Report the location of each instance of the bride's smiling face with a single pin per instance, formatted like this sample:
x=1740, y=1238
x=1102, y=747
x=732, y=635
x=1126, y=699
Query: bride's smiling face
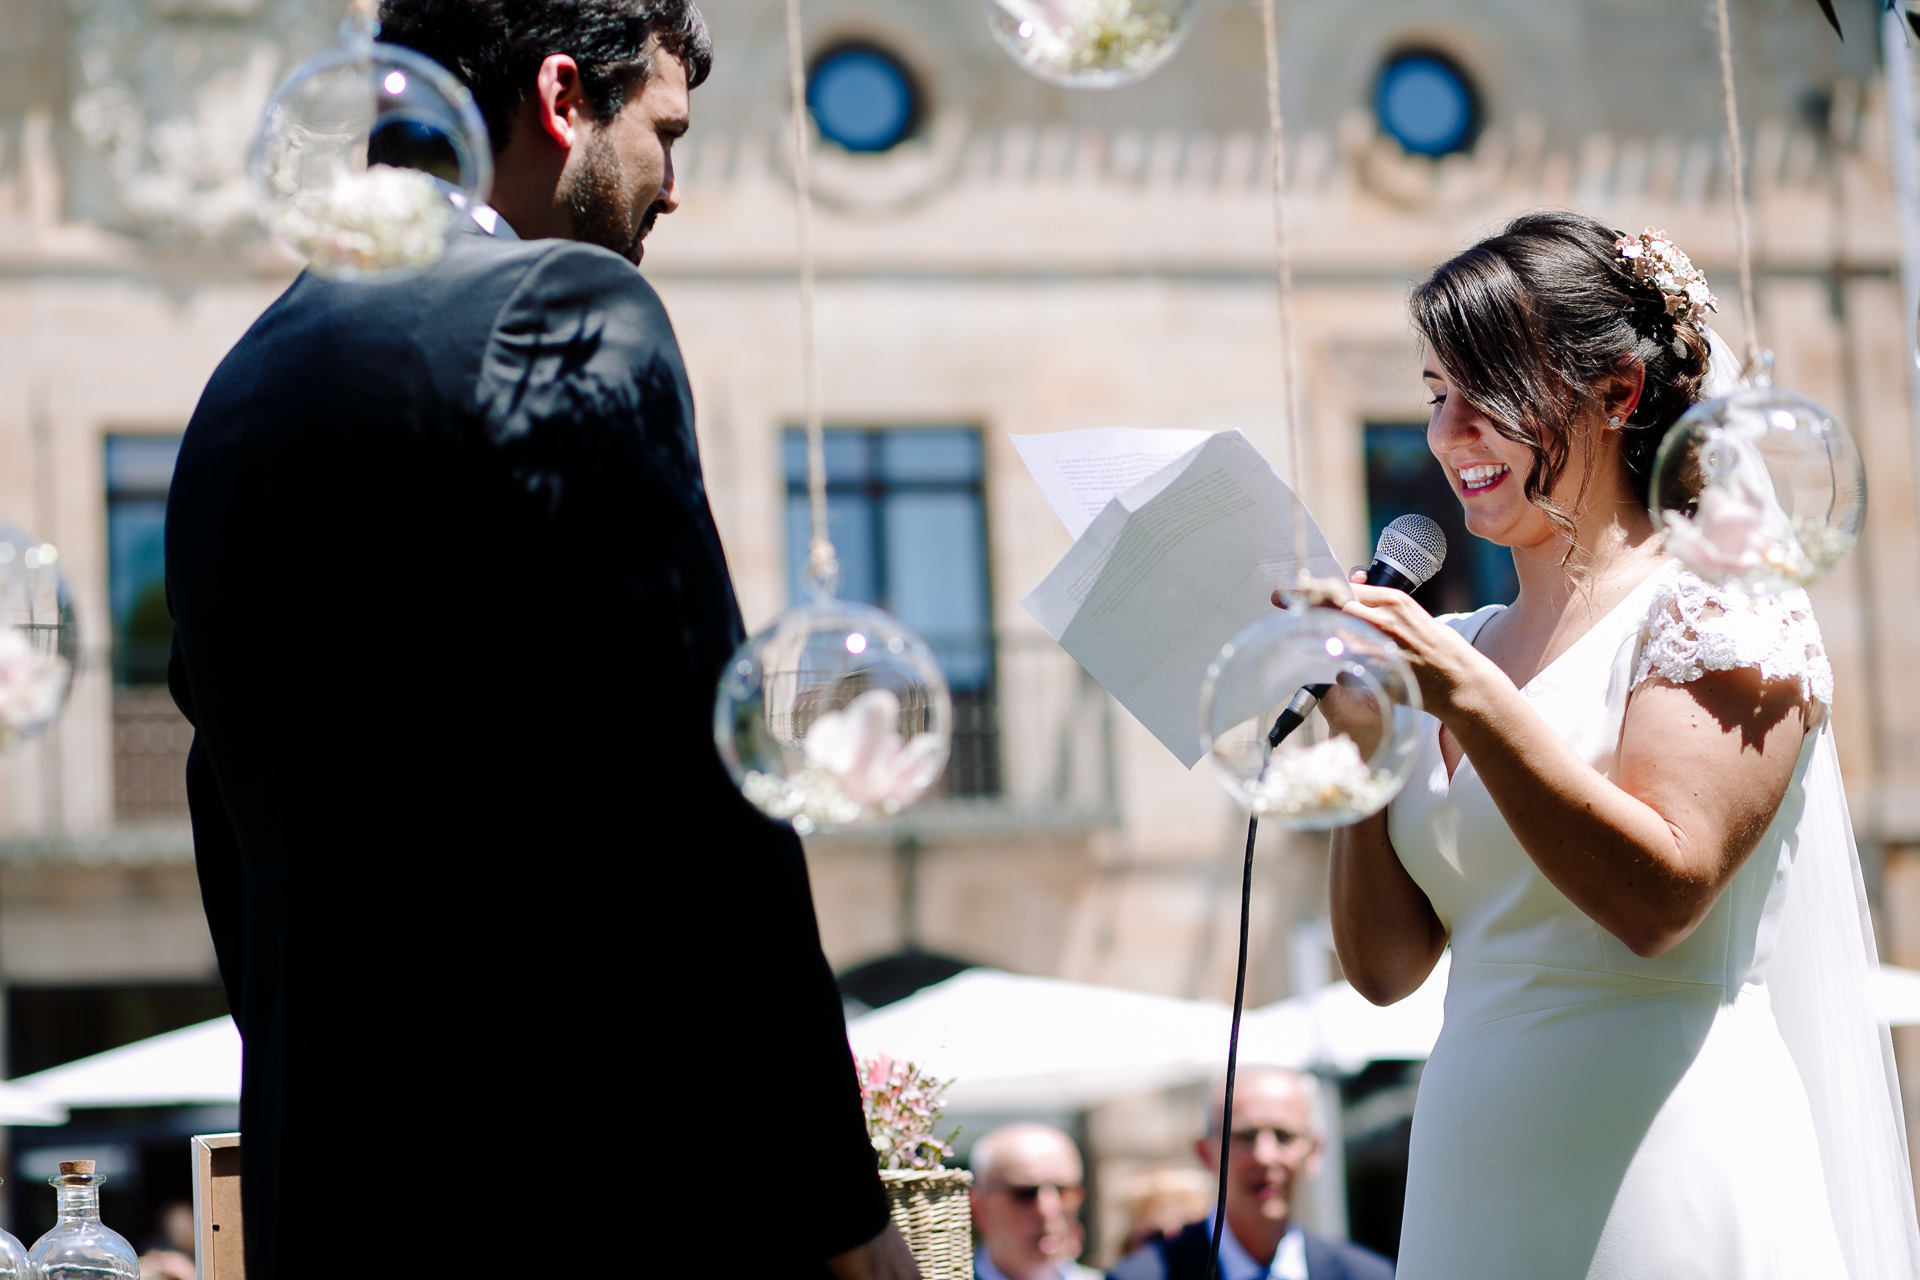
x=1488, y=471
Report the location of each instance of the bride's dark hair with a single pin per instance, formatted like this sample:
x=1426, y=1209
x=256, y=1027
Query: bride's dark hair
x=1530, y=323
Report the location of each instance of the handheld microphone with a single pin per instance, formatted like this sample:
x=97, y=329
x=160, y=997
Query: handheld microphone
x=1409, y=552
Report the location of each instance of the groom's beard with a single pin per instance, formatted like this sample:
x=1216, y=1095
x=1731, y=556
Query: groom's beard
x=596, y=199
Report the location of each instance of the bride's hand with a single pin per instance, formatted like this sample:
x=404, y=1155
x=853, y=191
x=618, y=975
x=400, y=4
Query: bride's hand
x=1355, y=713
x=1443, y=662
x=1349, y=711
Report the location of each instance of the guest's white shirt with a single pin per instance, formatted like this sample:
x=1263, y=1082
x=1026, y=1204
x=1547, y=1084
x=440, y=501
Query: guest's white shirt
x=1289, y=1260
x=983, y=1268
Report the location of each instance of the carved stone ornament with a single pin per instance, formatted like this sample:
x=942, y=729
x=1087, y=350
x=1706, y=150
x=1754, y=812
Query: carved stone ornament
x=908, y=175
x=169, y=94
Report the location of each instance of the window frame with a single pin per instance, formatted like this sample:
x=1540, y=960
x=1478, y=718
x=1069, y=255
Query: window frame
x=1476, y=572
x=974, y=770
x=913, y=117
x=150, y=668
x=1474, y=104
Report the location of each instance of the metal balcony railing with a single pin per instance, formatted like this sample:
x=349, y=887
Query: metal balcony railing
x=150, y=741
x=1032, y=744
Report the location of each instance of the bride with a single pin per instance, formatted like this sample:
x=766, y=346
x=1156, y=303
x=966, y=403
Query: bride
x=1626, y=819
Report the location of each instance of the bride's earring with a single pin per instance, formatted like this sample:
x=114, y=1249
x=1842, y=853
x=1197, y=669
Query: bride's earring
x=1613, y=422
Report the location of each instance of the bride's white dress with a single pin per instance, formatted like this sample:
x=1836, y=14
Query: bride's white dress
x=1587, y=1112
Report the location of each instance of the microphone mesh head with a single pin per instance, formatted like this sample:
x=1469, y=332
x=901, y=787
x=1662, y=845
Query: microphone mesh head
x=1414, y=545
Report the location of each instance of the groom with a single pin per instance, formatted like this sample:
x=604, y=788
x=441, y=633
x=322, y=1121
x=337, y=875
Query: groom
x=511, y=957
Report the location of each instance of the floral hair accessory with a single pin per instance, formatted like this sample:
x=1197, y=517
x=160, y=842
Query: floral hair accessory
x=1658, y=263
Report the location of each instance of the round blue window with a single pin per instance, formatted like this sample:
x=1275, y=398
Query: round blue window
x=863, y=98
x=1427, y=104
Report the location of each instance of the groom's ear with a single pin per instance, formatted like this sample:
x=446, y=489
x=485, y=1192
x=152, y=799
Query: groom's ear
x=559, y=101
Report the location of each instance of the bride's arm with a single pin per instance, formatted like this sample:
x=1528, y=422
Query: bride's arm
x=1384, y=929
x=1701, y=770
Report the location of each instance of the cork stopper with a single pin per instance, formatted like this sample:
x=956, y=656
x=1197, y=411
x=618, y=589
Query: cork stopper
x=76, y=1168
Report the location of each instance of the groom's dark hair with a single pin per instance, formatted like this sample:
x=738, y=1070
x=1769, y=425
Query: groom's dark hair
x=496, y=46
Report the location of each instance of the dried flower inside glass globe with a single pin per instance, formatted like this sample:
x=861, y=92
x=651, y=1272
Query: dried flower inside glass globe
x=39, y=642
x=1313, y=779
x=833, y=716
x=1761, y=490
x=367, y=157
x=1090, y=44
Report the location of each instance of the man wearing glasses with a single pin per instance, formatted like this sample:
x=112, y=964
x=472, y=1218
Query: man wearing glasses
x=1275, y=1147
x=1027, y=1191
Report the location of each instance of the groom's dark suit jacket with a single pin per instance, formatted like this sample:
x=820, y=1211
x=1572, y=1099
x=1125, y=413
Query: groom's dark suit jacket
x=505, y=945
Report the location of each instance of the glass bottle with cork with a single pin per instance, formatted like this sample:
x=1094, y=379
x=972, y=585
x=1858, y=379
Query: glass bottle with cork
x=80, y=1247
x=13, y=1257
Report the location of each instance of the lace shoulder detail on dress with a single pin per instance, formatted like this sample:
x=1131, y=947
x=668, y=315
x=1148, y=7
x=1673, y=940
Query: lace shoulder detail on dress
x=1694, y=627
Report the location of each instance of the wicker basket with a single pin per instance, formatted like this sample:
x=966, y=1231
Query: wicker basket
x=931, y=1207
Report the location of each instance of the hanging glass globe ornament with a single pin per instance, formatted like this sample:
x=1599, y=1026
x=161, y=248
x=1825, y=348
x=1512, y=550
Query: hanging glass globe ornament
x=367, y=157
x=1313, y=779
x=1761, y=490
x=1090, y=44
x=39, y=642
x=833, y=716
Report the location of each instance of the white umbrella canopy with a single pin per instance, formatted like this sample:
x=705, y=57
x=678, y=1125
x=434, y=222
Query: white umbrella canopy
x=1337, y=1029
x=194, y=1065
x=1896, y=996
x=23, y=1106
x=1014, y=1043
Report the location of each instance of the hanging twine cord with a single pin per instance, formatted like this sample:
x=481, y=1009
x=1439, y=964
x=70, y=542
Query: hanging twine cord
x=822, y=563
x=1282, y=249
x=1738, y=184
x=1283, y=273
x=361, y=23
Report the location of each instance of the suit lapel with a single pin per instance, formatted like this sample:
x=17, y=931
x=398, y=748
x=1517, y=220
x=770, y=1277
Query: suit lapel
x=1322, y=1262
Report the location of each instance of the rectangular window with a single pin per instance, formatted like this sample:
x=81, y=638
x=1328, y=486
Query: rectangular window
x=139, y=469
x=1404, y=477
x=907, y=514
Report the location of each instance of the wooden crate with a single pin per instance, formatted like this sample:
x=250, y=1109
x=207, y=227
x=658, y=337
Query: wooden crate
x=221, y=1239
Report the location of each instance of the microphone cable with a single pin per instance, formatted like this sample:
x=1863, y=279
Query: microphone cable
x=1409, y=552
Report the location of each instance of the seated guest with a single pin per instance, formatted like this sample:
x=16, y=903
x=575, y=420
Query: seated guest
x=1027, y=1191
x=1276, y=1144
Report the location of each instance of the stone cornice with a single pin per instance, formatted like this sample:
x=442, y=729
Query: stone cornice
x=1023, y=201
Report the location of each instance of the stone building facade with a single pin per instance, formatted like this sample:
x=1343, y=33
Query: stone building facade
x=1025, y=259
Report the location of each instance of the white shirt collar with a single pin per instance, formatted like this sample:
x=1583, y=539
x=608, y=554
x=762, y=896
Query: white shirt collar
x=485, y=216
x=492, y=223
x=1289, y=1260
x=983, y=1267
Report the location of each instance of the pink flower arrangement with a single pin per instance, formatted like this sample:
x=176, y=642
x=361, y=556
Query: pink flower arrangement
x=32, y=687
x=861, y=747
x=903, y=1104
